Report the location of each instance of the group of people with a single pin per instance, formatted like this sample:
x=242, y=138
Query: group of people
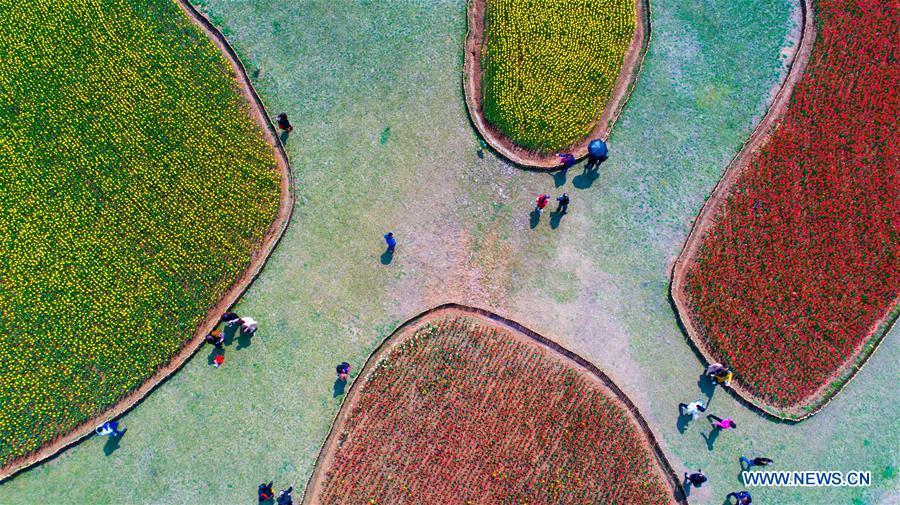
x=562, y=203
x=216, y=338
x=720, y=375
x=266, y=493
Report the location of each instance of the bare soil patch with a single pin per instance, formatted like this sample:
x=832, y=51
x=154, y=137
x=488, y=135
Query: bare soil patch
x=704, y=221
x=472, y=76
x=544, y=345
x=286, y=205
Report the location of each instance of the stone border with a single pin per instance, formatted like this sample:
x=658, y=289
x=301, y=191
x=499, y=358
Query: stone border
x=258, y=260
x=670, y=478
x=632, y=63
x=704, y=221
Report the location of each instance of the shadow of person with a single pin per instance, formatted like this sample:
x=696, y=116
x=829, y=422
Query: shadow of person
x=339, y=387
x=555, y=219
x=387, y=257
x=711, y=438
x=707, y=387
x=212, y=355
x=112, y=443
x=535, y=217
x=585, y=179
x=686, y=487
x=243, y=340
x=284, y=136
x=229, y=333
x=559, y=177
x=683, y=421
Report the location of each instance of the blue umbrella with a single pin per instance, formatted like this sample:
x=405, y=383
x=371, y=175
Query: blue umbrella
x=597, y=149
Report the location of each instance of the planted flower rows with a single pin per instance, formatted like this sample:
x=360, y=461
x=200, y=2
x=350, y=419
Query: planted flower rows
x=462, y=412
x=549, y=67
x=802, y=262
x=135, y=189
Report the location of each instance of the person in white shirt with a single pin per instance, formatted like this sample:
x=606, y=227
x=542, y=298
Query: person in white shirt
x=693, y=408
x=248, y=325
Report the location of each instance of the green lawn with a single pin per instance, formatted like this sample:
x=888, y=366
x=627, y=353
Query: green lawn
x=348, y=71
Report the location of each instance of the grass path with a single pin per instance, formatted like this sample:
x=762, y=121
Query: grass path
x=382, y=141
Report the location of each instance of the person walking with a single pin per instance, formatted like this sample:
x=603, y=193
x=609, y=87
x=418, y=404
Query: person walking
x=742, y=497
x=284, y=497
x=284, y=123
x=218, y=360
x=216, y=338
x=110, y=429
x=343, y=371
x=542, y=201
x=265, y=492
x=390, y=241
x=722, y=424
x=562, y=204
x=697, y=478
x=693, y=408
x=757, y=461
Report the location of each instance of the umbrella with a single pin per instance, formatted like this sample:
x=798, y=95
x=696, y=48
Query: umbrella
x=597, y=149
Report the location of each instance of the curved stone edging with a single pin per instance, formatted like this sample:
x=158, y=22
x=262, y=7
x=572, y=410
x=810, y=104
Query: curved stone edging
x=257, y=262
x=632, y=63
x=704, y=220
x=671, y=479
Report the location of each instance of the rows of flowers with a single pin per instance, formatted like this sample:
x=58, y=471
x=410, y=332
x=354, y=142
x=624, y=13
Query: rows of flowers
x=461, y=412
x=549, y=67
x=135, y=188
x=802, y=261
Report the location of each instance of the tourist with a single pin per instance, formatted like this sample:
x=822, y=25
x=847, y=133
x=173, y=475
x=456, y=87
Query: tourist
x=218, y=360
x=283, y=123
x=723, y=377
x=110, y=429
x=284, y=497
x=248, y=326
x=216, y=338
x=742, y=497
x=758, y=461
x=343, y=371
x=542, y=202
x=714, y=369
x=562, y=204
x=265, y=492
x=722, y=424
x=697, y=478
x=567, y=160
x=229, y=318
x=390, y=241
x=693, y=408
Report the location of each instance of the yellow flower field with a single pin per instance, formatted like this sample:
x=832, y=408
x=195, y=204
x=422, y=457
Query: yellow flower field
x=134, y=189
x=549, y=66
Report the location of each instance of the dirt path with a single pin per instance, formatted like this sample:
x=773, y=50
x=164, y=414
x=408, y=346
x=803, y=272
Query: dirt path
x=704, y=221
x=547, y=346
x=257, y=262
x=628, y=75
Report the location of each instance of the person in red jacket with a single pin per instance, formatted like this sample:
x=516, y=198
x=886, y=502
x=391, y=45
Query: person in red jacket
x=542, y=202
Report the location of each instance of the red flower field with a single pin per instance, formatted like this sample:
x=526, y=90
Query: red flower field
x=801, y=262
x=462, y=411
